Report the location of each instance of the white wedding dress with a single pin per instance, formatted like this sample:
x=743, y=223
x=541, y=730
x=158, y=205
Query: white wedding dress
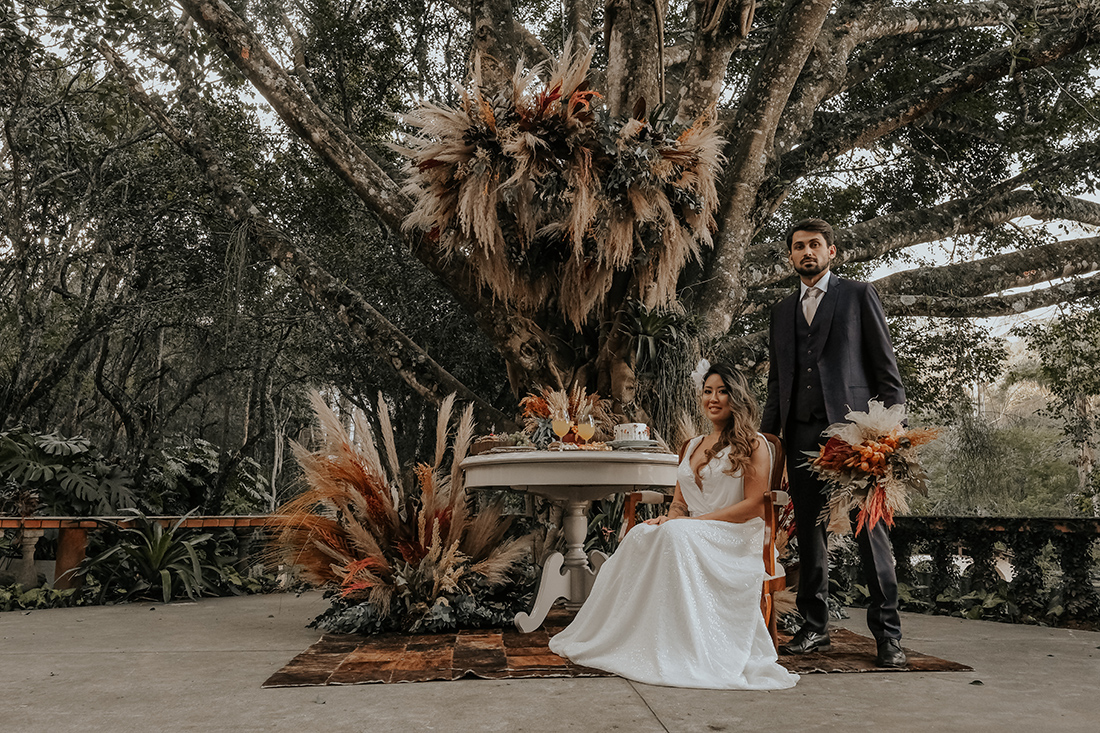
x=679, y=604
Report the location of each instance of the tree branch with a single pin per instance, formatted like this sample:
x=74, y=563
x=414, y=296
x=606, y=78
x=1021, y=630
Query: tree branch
x=754, y=133
x=382, y=338
x=538, y=52
x=766, y=264
x=719, y=29
x=578, y=23
x=864, y=129
x=985, y=307
x=823, y=74
x=512, y=335
x=633, y=35
x=497, y=43
x=1001, y=272
x=301, y=70
x=299, y=112
x=908, y=20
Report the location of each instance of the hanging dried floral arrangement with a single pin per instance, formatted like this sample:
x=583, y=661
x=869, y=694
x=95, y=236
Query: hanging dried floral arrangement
x=548, y=196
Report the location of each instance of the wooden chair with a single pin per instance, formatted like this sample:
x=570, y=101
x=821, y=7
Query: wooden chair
x=774, y=500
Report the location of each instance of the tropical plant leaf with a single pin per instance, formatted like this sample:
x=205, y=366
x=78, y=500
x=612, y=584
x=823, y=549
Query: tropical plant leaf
x=56, y=445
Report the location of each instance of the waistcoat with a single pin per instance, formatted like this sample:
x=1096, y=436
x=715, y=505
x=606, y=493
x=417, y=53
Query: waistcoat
x=808, y=401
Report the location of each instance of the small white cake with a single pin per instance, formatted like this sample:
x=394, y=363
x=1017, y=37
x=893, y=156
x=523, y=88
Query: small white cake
x=632, y=431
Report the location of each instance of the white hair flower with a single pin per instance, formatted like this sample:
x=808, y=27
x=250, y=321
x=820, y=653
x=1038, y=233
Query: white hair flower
x=700, y=373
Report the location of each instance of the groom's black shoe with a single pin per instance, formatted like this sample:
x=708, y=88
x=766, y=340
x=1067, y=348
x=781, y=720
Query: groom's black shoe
x=807, y=642
x=890, y=654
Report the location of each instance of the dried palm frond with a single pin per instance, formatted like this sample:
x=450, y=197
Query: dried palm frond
x=484, y=532
x=495, y=568
x=365, y=445
x=558, y=401
x=464, y=437
x=441, y=430
x=387, y=438
x=785, y=602
x=448, y=570
x=425, y=518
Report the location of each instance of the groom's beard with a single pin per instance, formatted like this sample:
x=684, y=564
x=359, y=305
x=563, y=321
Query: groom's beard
x=811, y=269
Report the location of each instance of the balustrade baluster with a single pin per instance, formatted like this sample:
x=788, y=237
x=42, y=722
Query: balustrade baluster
x=1079, y=597
x=983, y=568
x=1027, y=587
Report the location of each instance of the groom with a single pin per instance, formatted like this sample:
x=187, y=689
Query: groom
x=830, y=354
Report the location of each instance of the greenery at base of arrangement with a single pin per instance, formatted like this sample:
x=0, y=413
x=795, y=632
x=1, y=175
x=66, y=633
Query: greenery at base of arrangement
x=479, y=608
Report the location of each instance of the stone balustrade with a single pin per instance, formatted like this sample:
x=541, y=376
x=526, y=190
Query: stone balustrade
x=1051, y=562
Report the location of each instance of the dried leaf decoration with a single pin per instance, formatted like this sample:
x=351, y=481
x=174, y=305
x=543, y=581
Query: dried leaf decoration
x=354, y=531
x=548, y=197
x=573, y=405
x=870, y=460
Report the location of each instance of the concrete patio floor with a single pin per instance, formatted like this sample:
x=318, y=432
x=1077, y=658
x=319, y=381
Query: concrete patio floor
x=199, y=667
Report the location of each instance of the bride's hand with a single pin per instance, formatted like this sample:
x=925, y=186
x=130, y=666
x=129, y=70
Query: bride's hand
x=658, y=520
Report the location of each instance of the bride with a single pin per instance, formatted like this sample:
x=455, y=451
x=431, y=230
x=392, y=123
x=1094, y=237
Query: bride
x=678, y=603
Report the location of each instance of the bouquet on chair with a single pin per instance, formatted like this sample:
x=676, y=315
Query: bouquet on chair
x=870, y=461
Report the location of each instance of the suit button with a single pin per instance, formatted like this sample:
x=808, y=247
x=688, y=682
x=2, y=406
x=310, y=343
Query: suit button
x=810, y=370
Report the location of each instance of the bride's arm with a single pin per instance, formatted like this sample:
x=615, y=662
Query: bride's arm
x=679, y=507
x=756, y=485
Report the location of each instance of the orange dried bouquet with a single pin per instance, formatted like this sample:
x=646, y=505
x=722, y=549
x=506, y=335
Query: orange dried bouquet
x=870, y=461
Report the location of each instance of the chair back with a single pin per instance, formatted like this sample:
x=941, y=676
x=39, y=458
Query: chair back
x=773, y=500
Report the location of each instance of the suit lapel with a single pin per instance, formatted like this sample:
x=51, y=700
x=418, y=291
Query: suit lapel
x=788, y=311
x=827, y=307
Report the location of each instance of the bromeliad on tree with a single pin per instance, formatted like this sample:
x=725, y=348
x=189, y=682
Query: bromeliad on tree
x=550, y=196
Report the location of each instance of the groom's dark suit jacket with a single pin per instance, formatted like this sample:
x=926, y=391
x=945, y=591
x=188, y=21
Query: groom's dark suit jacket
x=855, y=360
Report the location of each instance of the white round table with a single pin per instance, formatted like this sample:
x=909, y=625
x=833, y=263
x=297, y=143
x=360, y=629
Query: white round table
x=575, y=478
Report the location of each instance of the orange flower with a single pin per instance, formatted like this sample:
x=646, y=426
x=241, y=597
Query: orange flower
x=534, y=406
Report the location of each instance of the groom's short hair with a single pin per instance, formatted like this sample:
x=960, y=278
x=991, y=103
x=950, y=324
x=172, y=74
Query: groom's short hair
x=820, y=226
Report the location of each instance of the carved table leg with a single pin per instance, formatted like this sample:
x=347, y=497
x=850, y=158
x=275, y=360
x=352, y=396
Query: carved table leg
x=568, y=576
x=552, y=586
x=575, y=528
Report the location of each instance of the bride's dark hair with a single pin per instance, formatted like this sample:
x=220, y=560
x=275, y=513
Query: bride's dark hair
x=739, y=432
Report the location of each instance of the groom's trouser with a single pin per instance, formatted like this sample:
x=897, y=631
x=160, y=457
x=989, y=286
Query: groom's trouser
x=876, y=554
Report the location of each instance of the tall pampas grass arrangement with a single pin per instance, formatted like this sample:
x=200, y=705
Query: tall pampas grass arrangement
x=548, y=196
x=391, y=560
